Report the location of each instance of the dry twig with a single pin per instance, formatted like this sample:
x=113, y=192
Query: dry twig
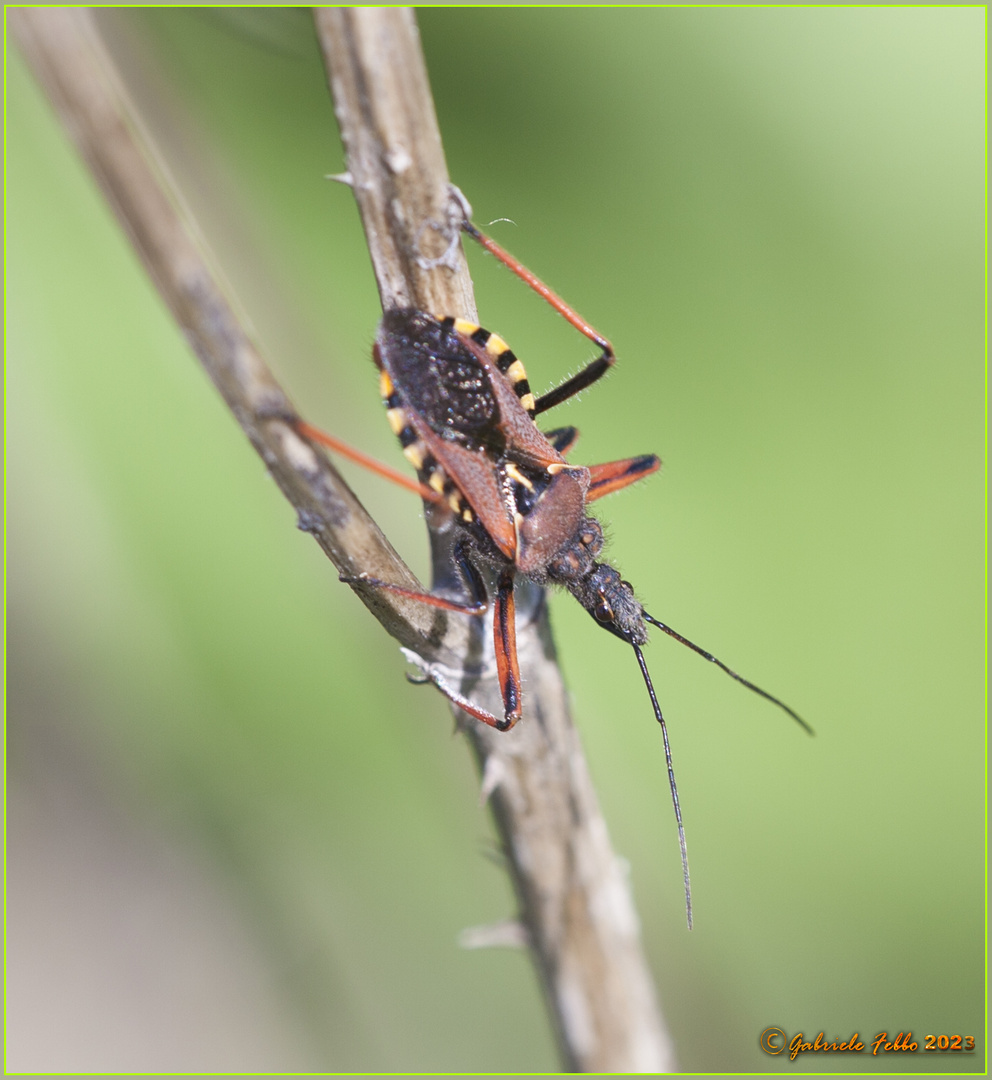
x=575, y=902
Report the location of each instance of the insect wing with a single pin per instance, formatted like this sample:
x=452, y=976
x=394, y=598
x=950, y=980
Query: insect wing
x=438, y=375
x=525, y=443
x=473, y=480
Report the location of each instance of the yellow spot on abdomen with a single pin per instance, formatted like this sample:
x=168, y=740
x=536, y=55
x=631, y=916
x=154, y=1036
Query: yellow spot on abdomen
x=515, y=372
x=414, y=453
x=496, y=346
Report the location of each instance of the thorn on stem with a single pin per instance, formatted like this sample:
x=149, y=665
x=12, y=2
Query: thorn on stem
x=508, y=934
x=493, y=774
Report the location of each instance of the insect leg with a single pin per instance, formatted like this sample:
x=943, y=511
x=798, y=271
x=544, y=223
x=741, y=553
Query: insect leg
x=465, y=705
x=588, y=374
x=505, y=639
x=563, y=438
x=570, y=387
x=471, y=576
x=507, y=667
x=413, y=594
x=308, y=431
x=616, y=475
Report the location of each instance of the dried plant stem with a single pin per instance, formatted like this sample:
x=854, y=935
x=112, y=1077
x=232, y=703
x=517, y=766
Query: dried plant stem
x=575, y=902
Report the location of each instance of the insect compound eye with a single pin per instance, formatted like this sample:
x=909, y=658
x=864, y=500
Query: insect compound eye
x=602, y=610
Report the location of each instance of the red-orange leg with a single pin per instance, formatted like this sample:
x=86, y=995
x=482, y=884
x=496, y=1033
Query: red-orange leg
x=470, y=575
x=504, y=635
x=370, y=463
x=505, y=642
x=589, y=374
x=430, y=599
x=465, y=705
x=616, y=475
x=507, y=666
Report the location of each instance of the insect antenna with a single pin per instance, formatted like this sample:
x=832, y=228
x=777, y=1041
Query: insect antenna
x=671, y=783
x=723, y=667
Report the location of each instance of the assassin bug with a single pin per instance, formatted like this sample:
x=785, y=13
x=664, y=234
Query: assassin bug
x=459, y=402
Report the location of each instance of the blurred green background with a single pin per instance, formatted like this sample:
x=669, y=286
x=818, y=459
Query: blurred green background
x=237, y=837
